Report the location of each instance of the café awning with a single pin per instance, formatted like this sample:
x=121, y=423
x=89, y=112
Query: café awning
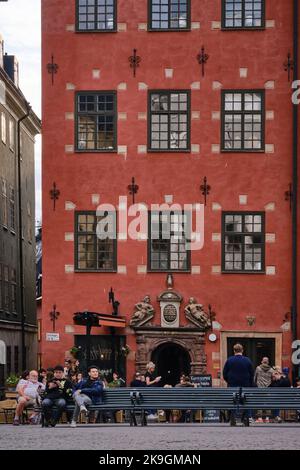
x=98, y=319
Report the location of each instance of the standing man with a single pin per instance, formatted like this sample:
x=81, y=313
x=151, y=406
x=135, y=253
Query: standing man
x=238, y=372
x=88, y=392
x=59, y=389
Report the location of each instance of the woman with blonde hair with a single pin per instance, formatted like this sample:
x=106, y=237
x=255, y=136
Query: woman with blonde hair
x=151, y=381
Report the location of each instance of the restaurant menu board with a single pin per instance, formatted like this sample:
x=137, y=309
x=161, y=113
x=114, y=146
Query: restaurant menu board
x=209, y=416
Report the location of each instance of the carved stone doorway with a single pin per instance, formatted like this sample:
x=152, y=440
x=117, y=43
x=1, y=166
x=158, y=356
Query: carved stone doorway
x=190, y=340
x=171, y=361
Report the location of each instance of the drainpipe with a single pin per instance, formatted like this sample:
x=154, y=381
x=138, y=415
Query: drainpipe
x=295, y=186
x=21, y=276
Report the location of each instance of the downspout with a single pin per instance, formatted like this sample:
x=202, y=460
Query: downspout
x=294, y=315
x=21, y=261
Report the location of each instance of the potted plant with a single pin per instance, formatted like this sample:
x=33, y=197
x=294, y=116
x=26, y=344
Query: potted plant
x=11, y=382
x=74, y=351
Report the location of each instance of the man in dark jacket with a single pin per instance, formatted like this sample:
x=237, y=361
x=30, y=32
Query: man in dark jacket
x=238, y=372
x=88, y=392
x=58, y=391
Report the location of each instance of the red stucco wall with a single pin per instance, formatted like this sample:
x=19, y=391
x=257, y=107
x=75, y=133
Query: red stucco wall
x=263, y=177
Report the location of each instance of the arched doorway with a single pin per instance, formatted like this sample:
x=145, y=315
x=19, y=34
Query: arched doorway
x=171, y=360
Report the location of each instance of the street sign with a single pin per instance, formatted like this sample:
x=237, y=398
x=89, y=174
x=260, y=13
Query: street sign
x=52, y=336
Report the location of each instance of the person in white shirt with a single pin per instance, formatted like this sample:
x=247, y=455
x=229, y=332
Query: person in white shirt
x=28, y=394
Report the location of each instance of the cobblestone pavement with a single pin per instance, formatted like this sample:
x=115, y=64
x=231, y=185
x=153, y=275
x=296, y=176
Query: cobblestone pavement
x=156, y=437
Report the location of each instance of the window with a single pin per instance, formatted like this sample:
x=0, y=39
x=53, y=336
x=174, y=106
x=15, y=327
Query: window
x=243, y=14
x=13, y=283
x=3, y=128
x=16, y=359
x=1, y=289
x=6, y=288
x=243, y=120
x=12, y=215
x=96, y=15
x=169, y=121
x=29, y=223
x=169, y=14
x=96, y=122
x=4, y=202
x=8, y=360
x=243, y=241
x=95, y=242
x=168, y=238
x=12, y=135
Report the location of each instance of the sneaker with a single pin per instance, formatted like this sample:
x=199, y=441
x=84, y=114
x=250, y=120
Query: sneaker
x=73, y=424
x=267, y=420
x=278, y=419
x=259, y=420
x=152, y=417
x=251, y=421
x=83, y=409
x=16, y=422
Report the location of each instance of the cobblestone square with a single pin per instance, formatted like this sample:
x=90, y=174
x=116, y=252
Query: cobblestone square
x=152, y=437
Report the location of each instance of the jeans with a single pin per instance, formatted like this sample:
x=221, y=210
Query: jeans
x=47, y=405
x=80, y=400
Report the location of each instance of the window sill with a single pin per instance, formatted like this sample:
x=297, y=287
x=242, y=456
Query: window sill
x=95, y=151
x=169, y=30
x=243, y=272
x=243, y=151
x=86, y=31
x=166, y=271
x=168, y=151
x=243, y=28
x=84, y=271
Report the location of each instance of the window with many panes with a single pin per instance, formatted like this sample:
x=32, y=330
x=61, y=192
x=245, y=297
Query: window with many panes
x=243, y=236
x=243, y=14
x=12, y=209
x=13, y=284
x=95, y=244
x=3, y=128
x=16, y=359
x=243, y=120
x=4, y=215
x=96, y=121
x=96, y=15
x=169, y=14
x=169, y=236
x=1, y=289
x=12, y=135
x=6, y=288
x=169, y=121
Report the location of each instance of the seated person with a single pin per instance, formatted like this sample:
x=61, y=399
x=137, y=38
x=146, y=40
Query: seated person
x=28, y=396
x=138, y=381
x=88, y=392
x=59, y=389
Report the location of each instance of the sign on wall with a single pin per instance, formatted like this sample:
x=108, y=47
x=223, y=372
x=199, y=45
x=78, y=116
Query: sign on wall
x=52, y=336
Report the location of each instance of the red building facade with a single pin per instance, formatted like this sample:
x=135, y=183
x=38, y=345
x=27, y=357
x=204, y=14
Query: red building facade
x=168, y=93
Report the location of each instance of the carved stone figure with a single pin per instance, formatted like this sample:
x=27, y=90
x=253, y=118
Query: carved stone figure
x=196, y=314
x=143, y=313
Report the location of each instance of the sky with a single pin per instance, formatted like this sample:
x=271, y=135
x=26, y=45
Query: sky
x=20, y=27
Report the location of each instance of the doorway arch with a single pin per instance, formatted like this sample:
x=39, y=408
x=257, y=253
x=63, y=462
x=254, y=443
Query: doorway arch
x=171, y=360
